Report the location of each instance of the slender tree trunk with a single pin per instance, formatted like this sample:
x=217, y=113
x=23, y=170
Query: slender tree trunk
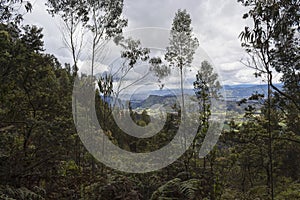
x=183, y=120
x=93, y=57
x=73, y=48
x=182, y=98
x=182, y=92
x=271, y=183
x=95, y=35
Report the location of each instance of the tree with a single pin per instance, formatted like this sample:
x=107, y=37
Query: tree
x=34, y=105
x=75, y=16
x=35, y=114
x=273, y=44
x=105, y=84
x=180, y=52
x=102, y=18
x=182, y=45
x=207, y=88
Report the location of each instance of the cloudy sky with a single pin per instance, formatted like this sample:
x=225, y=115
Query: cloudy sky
x=216, y=24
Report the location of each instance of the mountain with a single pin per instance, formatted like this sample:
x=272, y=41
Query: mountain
x=146, y=99
x=237, y=92
x=154, y=99
x=233, y=93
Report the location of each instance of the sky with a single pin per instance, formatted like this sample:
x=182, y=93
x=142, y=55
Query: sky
x=217, y=25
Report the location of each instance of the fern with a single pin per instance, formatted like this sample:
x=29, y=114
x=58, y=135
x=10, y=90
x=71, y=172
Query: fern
x=115, y=187
x=178, y=189
x=10, y=193
x=191, y=189
x=170, y=190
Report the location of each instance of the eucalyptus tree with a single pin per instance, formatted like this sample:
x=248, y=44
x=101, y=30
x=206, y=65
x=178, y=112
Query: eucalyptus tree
x=75, y=16
x=179, y=54
x=103, y=18
x=182, y=45
x=273, y=45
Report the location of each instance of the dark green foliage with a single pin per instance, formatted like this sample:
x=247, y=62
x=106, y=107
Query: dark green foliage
x=69, y=8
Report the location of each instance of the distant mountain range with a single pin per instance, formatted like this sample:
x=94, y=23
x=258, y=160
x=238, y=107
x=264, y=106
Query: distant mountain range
x=147, y=99
x=154, y=99
x=237, y=92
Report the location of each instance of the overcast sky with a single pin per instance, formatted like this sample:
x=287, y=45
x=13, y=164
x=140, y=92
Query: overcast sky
x=216, y=23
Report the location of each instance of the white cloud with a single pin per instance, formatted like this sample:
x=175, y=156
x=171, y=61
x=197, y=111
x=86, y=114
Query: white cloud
x=216, y=23
x=85, y=67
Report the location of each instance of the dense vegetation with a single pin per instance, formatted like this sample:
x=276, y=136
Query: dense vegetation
x=42, y=157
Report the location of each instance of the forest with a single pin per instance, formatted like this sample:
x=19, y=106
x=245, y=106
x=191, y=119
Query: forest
x=47, y=131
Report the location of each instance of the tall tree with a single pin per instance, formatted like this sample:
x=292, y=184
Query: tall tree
x=207, y=88
x=273, y=44
x=74, y=15
x=180, y=52
x=182, y=46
